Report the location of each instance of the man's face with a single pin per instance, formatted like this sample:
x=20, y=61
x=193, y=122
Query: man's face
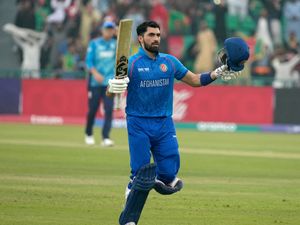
x=108, y=33
x=150, y=40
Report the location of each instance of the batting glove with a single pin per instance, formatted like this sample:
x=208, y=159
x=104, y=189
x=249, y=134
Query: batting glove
x=118, y=86
x=226, y=74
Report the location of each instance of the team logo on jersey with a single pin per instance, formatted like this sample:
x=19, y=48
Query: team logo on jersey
x=163, y=67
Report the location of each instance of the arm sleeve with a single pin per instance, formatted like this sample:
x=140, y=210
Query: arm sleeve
x=89, y=59
x=180, y=69
x=18, y=41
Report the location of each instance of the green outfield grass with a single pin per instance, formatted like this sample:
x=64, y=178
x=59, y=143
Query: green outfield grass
x=48, y=176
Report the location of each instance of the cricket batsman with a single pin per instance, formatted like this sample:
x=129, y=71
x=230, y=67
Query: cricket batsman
x=149, y=108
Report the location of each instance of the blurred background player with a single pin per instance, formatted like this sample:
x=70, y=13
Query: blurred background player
x=100, y=62
x=149, y=109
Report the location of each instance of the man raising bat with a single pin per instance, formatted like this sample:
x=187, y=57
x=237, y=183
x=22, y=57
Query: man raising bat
x=149, y=113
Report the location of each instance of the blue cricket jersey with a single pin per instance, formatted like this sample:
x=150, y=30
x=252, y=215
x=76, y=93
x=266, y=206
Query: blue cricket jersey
x=101, y=54
x=150, y=90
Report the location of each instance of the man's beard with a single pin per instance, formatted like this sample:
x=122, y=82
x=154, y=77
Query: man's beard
x=151, y=48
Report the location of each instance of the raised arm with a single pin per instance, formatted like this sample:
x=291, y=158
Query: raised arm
x=198, y=80
x=232, y=57
x=18, y=41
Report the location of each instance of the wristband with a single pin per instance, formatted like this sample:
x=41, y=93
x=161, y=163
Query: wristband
x=205, y=79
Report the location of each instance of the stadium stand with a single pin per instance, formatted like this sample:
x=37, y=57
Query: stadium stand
x=271, y=29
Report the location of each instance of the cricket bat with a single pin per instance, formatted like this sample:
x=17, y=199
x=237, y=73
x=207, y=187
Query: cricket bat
x=122, y=53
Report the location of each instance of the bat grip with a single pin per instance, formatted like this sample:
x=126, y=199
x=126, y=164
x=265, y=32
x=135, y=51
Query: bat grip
x=118, y=101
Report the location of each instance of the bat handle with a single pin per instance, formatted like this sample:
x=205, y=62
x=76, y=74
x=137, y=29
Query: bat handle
x=118, y=101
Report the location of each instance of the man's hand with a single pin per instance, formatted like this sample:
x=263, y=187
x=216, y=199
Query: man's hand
x=98, y=77
x=117, y=86
x=225, y=74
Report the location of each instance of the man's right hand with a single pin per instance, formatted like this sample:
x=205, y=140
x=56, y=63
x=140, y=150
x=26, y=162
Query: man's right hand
x=117, y=86
x=97, y=76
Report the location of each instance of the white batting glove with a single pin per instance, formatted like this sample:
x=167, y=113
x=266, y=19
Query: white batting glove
x=118, y=86
x=225, y=74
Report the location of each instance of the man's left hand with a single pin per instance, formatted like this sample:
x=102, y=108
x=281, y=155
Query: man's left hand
x=226, y=74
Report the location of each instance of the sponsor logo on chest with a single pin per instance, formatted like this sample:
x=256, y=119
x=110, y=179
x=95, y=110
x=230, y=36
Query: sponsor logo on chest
x=145, y=69
x=106, y=54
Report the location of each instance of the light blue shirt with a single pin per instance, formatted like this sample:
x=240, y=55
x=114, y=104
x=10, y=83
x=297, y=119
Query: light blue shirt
x=150, y=90
x=101, y=54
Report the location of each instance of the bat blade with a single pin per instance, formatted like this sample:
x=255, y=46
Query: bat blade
x=123, y=48
x=122, y=53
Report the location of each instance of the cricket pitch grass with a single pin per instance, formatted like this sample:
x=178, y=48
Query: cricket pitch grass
x=49, y=176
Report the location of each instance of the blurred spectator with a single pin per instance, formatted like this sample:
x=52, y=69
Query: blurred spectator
x=59, y=7
x=118, y=10
x=255, y=7
x=247, y=26
x=101, y=5
x=24, y=19
x=274, y=13
x=285, y=75
x=209, y=16
x=261, y=68
x=25, y=16
x=196, y=15
x=58, y=37
x=220, y=11
x=45, y=53
x=206, y=47
x=136, y=14
x=293, y=43
x=292, y=16
x=238, y=7
x=160, y=14
x=73, y=10
x=263, y=33
x=72, y=22
x=70, y=60
x=30, y=42
x=90, y=17
x=271, y=24
x=41, y=13
x=178, y=21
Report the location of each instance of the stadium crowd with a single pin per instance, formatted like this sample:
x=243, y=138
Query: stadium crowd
x=192, y=30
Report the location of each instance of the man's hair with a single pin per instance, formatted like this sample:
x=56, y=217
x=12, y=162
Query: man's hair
x=142, y=28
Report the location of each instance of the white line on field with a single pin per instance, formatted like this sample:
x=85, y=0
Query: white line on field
x=116, y=180
x=223, y=152
x=260, y=154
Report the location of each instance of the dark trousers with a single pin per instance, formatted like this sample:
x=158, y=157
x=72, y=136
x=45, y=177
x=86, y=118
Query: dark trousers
x=96, y=95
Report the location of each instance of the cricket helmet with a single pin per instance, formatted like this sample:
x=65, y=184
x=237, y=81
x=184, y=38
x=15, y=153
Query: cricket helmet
x=234, y=54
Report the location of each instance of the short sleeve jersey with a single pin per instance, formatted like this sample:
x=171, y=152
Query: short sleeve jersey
x=150, y=90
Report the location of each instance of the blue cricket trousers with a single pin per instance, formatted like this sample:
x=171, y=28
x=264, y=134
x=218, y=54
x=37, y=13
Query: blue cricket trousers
x=156, y=136
x=96, y=95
